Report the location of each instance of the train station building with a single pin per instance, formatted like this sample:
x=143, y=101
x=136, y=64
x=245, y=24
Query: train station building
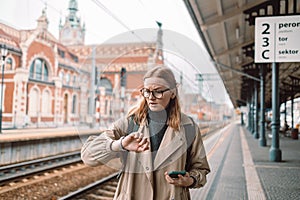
x=48, y=80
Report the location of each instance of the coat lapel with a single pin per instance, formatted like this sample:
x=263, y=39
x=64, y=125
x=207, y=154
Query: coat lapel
x=169, y=149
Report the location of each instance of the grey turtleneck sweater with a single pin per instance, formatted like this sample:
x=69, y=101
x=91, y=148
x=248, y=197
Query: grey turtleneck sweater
x=157, y=127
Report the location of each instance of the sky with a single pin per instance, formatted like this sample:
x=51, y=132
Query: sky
x=105, y=19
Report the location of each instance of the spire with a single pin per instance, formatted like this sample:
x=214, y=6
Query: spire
x=42, y=20
x=157, y=56
x=159, y=43
x=73, y=19
x=73, y=6
x=72, y=32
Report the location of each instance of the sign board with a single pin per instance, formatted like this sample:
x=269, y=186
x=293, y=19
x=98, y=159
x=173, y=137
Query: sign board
x=277, y=39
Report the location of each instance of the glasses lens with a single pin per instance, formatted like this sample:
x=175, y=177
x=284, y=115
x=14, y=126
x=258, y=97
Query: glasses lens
x=145, y=92
x=157, y=94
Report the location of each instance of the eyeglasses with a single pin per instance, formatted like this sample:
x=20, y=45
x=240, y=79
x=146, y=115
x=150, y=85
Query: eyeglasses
x=158, y=94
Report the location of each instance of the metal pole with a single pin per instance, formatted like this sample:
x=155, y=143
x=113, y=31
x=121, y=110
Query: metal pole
x=2, y=82
x=262, y=139
x=252, y=113
x=256, y=134
x=92, y=90
x=275, y=152
x=242, y=118
x=292, y=108
x=249, y=114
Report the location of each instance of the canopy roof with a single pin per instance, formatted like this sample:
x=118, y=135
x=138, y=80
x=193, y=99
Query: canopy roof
x=227, y=29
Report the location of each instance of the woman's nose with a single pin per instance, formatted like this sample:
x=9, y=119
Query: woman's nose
x=151, y=96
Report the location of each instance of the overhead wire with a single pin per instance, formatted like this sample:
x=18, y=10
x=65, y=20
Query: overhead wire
x=110, y=13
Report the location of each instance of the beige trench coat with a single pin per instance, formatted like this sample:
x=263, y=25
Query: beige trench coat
x=143, y=178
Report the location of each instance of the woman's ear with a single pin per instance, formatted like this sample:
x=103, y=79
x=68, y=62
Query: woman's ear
x=173, y=96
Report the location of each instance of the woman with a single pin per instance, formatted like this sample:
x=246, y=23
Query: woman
x=158, y=147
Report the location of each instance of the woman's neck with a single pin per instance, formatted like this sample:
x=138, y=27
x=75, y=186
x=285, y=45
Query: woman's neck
x=158, y=116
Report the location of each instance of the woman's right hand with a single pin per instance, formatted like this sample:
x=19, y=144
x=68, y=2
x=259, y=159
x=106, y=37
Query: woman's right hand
x=135, y=142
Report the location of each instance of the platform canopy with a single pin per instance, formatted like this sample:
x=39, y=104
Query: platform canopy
x=227, y=28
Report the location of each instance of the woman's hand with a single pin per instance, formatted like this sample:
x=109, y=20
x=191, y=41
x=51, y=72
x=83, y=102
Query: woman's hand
x=135, y=142
x=182, y=181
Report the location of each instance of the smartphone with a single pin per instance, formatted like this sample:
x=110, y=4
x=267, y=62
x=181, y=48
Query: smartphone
x=174, y=174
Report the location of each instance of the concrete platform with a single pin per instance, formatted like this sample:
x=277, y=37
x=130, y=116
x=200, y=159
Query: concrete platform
x=241, y=168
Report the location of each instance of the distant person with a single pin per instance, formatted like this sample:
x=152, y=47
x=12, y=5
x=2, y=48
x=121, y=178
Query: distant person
x=285, y=126
x=158, y=147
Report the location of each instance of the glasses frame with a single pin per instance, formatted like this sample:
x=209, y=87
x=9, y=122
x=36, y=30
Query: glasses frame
x=151, y=92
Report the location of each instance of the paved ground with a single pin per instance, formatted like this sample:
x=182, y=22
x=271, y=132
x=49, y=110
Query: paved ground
x=241, y=168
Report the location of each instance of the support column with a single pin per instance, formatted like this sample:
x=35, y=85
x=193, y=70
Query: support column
x=262, y=138
x=285, y=113
x=252, y=112
x=242, y=119
x=275, y=152
x=256, y=134
x=249, y=115
x=292, y=108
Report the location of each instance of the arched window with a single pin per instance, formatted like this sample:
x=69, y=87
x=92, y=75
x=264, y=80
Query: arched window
x=39, y=70
x=46, y=74
x=67, y=79
x=74, y=102
x=74, y=80
x=46, y=102
x=61, y=76
x=8, y=64
x=34, y=102
x=104, y=82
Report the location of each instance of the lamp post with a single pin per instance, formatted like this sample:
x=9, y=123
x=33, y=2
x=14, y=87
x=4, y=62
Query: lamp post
x=3, y=55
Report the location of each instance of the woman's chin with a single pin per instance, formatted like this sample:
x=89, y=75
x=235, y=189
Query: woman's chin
x=155, y=107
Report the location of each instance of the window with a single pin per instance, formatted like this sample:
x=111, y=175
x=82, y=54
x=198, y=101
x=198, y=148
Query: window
x=61, y=76
x=68, y=79
x=74, y=80
x=33, y=102
x=74, y=57
x=46, y=103
x=74, y=104
x=61, y=53
x=8, y=64
x=39, y=70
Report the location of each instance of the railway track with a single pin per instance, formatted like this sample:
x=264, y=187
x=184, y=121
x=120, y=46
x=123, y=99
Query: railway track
x=18, y=171
x=103, y=189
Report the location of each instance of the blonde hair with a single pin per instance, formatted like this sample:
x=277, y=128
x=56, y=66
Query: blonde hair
x=139, y=112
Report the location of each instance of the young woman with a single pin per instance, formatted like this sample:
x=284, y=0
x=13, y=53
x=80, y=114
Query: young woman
x=158, y=147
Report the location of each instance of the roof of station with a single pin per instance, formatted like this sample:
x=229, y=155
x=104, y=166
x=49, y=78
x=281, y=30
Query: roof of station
x=227, y=30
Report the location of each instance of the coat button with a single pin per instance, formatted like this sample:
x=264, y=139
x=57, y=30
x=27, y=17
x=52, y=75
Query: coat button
x=147, y=168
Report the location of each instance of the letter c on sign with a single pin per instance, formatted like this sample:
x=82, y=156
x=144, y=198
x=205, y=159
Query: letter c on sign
x=263, y=54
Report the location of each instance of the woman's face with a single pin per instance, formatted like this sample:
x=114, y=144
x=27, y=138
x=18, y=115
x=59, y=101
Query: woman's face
x=157, y=96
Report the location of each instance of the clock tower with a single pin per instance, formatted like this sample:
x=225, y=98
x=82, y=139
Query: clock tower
x=72, y=33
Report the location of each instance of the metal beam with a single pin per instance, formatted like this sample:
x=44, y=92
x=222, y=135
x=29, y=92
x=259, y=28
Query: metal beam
x=235, y=12
x=236, y=71
x=233, y=49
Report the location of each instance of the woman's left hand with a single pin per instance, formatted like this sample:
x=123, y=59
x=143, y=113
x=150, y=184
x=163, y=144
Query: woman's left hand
x=182, y=181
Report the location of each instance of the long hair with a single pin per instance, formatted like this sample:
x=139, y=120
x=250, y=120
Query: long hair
x=140, y=112
x=166, y=76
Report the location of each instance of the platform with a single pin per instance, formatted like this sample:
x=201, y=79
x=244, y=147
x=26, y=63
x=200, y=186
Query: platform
x=241, y=169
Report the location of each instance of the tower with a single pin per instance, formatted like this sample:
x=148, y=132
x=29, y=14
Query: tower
x=72, y=33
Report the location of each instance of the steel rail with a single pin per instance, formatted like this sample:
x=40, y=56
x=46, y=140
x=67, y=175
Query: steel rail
x=19, y=170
